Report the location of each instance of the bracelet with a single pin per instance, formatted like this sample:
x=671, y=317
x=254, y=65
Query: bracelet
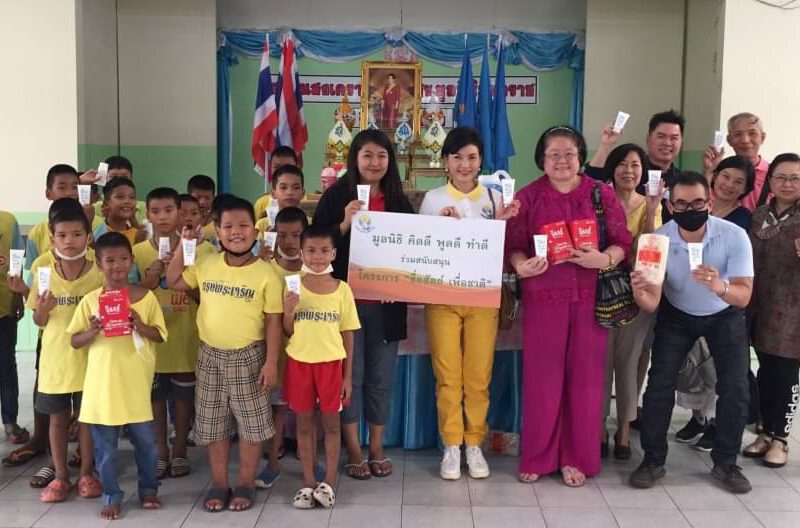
x=724, y=293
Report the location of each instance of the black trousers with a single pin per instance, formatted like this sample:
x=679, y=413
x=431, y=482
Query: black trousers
x=778, y=390
x=9, y=382
x=675, y=333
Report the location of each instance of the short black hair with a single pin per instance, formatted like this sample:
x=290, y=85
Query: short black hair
x=670, y=116
x=284, y=151
x=200, y=182
x=67, y=210
x=559, y=131
x=113, y=184
x=786, y=157
x=110, y=240
x=461, y=137
x=234, y=203
x=218, y=201
x=188, y=198
x=288, y=169
x=620, y=153
x=164, y=193
x=690, y=179
x=119, y=162
x=742, y=164
x=60, y=168
x=318, y=231
x=290, y=215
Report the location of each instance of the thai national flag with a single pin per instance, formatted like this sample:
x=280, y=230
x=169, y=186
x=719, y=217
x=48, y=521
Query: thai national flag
x=265, y=121
x=292, y=129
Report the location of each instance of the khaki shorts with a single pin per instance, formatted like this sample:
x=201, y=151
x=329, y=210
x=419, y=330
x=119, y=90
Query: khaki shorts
x=228, y=397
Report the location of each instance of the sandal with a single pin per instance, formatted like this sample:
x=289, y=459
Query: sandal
x=89, y=487
x=162, y=468
x=376, y=467
x=56, y=491
x=180, y=467
x=569, y=475
x=324, y=495
x=304, y=499
x=220, y=495
x=21, y=456
x=267, y=478
x=18, y=435
x=529, y=479
x=43, y=477
x=358, y=471
x=246, y=497
x=75, y=460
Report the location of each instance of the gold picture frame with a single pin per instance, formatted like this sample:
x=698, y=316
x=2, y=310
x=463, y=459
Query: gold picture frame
x=387, y=90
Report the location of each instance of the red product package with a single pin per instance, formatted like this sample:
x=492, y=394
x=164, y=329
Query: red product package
x=584, y=233
x=115, y=313
x=559, y=244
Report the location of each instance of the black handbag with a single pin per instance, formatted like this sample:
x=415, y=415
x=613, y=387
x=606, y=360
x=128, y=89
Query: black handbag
x=614, y=306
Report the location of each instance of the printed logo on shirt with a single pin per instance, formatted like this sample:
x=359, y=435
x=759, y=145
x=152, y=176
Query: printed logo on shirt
x=364, y=224
x=228, y=290
x=70, y=300
x=315, y=316
x=486, y=212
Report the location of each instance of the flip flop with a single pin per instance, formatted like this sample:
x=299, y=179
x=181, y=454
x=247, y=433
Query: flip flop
x=56, y=491
x=223, y=495
x=180, y=467
x=568, y=476
x=350, y=470
x=243, y=492
x=376, y=467
x=21, y=456
x=43, y=477
x=162, y=469
x=19, y=435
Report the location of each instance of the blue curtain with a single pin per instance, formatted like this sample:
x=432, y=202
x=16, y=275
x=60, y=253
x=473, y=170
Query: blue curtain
x=538, y=51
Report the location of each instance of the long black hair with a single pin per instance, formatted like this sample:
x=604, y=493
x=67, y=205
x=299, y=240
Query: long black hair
x=390, y=185
x=618, y=155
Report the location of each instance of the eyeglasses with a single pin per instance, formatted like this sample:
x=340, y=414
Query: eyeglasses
x=681, y=206
x=794, y=181
x=555, y=156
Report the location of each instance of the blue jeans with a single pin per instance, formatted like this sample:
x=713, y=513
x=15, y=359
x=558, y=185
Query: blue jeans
x=106, y=439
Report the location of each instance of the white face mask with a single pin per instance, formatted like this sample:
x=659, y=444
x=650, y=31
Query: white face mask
x=306, y=269
x=67, y=258
x=284, y=256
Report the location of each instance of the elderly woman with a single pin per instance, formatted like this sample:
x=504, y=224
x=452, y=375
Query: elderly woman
x=624, y=167
x=775, y=308
x=564, y=349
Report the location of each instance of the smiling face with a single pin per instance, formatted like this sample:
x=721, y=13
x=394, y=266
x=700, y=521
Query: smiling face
x=746, y=137
x=785, y=181
x=561, y=163
x=70, y=238
x=163, y=213
x=373, y=162
x=65, y=185
x=115, y=263
x=664, y=144
x=121, y=204
x=236, y=230
x=628, y=173
x=318, y=253
x=729, y=184
x=464, y=166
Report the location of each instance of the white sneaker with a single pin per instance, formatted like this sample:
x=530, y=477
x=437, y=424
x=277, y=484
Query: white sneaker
x=451, y=463
x=478, y=468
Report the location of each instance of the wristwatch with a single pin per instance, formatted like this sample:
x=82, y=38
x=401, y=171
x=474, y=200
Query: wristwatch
x=725, y=291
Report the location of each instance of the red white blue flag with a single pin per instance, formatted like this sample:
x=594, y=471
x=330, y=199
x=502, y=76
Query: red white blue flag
x=292, y=130
x=265, y=121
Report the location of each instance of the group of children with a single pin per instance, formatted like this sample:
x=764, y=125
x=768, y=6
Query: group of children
x=230, y=340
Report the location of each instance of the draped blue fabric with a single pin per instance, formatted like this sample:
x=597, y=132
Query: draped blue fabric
x=537, y=51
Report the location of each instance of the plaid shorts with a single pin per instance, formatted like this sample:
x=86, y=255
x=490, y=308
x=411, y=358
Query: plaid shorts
x=228, y=397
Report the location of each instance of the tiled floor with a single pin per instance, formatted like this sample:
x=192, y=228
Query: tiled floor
x=414, y=496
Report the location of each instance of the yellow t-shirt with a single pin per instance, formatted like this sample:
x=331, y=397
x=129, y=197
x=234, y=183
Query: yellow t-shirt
x=40, y=242
x=318, y=323
x=119, y=378
x=273, y=304
x=233, y=300
x=49, y=258
x=9, y=239
x=261, y=205
x=103, y=228
x=61, y=367
x=210, y=232
x=179, y=354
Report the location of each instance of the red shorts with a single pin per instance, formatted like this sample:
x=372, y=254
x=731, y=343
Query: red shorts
x=305, y=384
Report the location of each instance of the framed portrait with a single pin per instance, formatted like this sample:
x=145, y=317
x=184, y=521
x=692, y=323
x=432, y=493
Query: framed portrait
x=389, y=90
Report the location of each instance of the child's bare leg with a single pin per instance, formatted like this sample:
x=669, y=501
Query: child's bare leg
x=333, y=445
x=218, y=462
x=275, y=443
x=87, y=446
x=160, y=424
x=249, y=454
x=183, y=422
x=59, y=432
x=305, y=443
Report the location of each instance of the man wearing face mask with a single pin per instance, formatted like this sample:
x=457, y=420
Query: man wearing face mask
x=706, y=301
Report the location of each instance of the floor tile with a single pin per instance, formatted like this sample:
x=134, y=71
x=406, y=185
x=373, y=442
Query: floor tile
x=628, y=518
x=378, y=492
x=578, y=518
x=703, y=498
x=436, y=517
x=286, y=516
x=364, y=516
x=75, y=513
x=552, y=493
x=625, y=497
x=778, y=519
x=719, y=519
x=507, y=517
x=772, y=499
x=436, y=492
x=501, y=494
x=21, y=513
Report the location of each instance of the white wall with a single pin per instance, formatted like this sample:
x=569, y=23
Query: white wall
x=760, y=72
x=544, y=15
x=38, y=100
x=634, y=57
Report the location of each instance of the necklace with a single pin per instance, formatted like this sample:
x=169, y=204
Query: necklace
x=80, y=272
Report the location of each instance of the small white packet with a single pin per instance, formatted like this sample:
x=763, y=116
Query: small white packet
x=16, y=258
x=619, y=123
x=138, y=342
x=272, y=213
x=719, y=139
x=695, y=254
x=189, y=251
x=363, y=196
x=653, y=179
x=293, y=283
x=148, y=227
x=102, y=174
x=508, y=190
x=163, y=247
x=43, y=275
x=270, y=237
x=540, y=245
x=85, y=194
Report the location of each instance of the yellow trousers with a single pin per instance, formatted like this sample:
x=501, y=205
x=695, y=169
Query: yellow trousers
x=462, y=340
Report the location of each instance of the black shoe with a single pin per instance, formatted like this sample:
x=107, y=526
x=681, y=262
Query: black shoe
x=731, y=477
x=706, y=442
x=646, y=475
x=690, y=431
x=636, y=424
x=622, y=452
x=604, y=450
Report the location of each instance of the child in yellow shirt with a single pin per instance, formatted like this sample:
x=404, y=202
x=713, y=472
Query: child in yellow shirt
x=176, y=358
x=320, y=322
x=119, y=209
x=234, y=288
x=202, y=188
x=287, y=191
x=118, y=167
x=281, y=156
x=62, y=368
x=119, y=376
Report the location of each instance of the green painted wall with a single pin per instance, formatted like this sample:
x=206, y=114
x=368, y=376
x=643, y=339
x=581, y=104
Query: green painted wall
x=527, y=121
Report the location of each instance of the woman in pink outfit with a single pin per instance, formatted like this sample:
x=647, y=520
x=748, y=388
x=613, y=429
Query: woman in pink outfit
x=564, y=348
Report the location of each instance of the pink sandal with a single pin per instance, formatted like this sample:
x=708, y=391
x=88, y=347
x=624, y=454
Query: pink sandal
x=90, y=487
x=56, y=491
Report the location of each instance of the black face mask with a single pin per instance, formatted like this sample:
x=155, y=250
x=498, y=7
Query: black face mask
x=691, y=220
x=235, y=254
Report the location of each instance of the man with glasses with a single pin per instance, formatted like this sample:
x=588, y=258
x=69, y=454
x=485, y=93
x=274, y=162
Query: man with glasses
x=708, y=302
